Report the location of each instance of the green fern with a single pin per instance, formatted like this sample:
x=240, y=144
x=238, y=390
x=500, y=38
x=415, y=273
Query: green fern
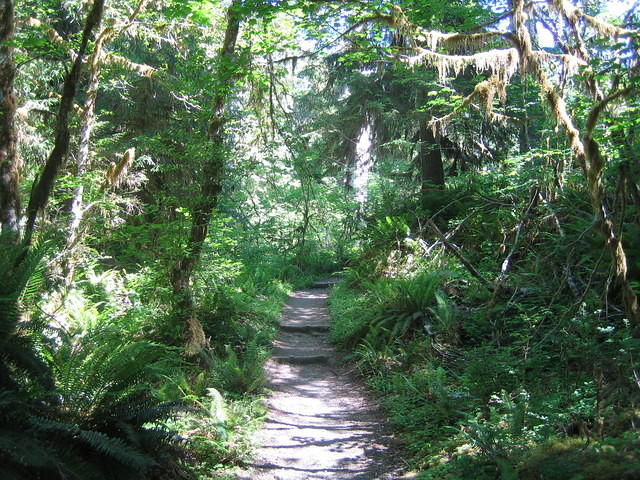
x=240, y=373
x=105, y=424
x=118, y=450
x=26, y=383
x=400, y=308
x=19, y=361
x=82, y=408
x=106, y=393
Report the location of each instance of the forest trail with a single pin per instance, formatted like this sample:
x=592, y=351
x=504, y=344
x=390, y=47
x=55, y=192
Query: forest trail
x=321, y=423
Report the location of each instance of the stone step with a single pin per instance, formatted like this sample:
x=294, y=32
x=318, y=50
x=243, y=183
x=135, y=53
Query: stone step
x=327, y=282
x=304, y=328
x=324, y=284
x=287, y=469
x=302, y=359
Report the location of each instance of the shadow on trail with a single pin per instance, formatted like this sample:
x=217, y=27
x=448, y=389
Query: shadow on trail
x=321, y=423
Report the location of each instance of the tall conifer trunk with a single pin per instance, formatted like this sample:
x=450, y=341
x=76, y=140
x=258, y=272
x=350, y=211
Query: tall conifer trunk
x=430, y=163
x=431, y=167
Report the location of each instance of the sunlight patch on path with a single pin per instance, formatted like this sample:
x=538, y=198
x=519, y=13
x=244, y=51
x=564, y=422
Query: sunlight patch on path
x=321, y=424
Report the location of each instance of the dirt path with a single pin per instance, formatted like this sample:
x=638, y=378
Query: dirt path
x=320, y=425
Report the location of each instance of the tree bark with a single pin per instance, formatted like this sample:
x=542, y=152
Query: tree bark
x=306, y=217
x=9, y=163
x=210, y=189
x=87, y=121
x=431, y=167
x=44, y=185
x=524, y=140
x=595, y=169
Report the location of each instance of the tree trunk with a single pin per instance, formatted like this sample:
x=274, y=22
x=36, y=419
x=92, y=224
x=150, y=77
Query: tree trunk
x=524, y=140
x=9, y=166
x=306, y=217
x=87, y=123
x=595, y=167
x=431, y=167
x=210, y=189
x=44, y=185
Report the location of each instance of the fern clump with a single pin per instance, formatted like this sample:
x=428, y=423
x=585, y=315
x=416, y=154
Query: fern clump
x=395, y=309
x=73, y=408
x=241, y=372
x=26, y=383
x=107, y=396
x=104, y=420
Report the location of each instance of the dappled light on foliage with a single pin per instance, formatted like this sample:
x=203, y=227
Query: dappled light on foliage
x=173, y=175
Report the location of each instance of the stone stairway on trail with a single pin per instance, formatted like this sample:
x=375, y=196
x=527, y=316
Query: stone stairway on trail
x=321, y=424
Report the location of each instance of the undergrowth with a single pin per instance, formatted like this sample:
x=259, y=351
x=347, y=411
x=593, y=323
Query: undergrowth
x=94, y=386
x=516, y=377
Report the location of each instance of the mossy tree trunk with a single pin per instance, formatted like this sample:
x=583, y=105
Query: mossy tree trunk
x=43, y=186
x=9, y=167
x=87, y=124
x=587, y=151
x=210, y=188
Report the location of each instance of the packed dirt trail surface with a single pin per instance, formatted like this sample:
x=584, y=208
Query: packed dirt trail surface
x=320, y=424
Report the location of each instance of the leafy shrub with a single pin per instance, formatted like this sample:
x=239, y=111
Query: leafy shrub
x=233, y=315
